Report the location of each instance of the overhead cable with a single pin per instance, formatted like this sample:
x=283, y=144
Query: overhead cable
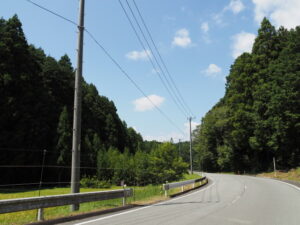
x=159, y=72
x=54, y=13
x=132, y=81
x=161, y=59
x=113, y=60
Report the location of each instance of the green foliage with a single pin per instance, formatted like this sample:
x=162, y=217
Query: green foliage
x=259, y=116
x=141, y=168
x=160, y=165
x=36, y=105
x=93, y=182
x=64, y=138
x=165, y=164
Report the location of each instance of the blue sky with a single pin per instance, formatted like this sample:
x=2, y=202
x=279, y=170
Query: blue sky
x=198, y=41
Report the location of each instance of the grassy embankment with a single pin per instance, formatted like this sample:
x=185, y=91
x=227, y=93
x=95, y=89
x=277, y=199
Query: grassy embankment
x=142, y=195
x=293, y=175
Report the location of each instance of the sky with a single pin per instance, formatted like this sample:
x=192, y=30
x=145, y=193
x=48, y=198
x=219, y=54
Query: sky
x=198, y=41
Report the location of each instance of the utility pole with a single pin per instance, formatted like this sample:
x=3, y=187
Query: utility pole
x=191, y=155
x=274, y=163
x=76, y=142
x=179, y=150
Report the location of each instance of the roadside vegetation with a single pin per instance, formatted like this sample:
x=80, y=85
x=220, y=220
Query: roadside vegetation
x=36, y=107
x=142, y=195
x=259, y=116
x=292, y=175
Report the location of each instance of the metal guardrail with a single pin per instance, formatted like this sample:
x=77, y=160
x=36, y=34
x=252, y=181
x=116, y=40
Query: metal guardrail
x=169, y=186
x=22, y=204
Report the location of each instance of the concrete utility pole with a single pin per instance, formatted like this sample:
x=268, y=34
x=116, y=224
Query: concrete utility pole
x=274, y=163
x=191, y=155
x=179, y=147
x=76, y=142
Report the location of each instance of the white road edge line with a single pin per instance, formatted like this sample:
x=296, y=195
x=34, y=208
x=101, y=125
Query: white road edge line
x=264, y=178
x=294, y=186
x=134, y=210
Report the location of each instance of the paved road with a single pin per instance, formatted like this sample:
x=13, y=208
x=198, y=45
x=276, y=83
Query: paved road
x=227, y=200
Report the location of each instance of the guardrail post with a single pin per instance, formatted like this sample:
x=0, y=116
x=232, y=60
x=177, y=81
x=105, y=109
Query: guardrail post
x=124, y=198
x=166, y=191
x=40, y=215
x=133, y=193
x=182, y=188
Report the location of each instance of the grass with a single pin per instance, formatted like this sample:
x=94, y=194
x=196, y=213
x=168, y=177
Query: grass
x=190, y=176
x=29, y=216
x=142, y=195
x=293, y=175
x=22, y=193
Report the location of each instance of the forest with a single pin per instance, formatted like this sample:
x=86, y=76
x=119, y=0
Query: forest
x=36, y=105
x=258, y=118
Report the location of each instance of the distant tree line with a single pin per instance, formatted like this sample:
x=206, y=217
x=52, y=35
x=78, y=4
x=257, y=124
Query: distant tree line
x=161, y=164
x=259, y=116
x=36, y=113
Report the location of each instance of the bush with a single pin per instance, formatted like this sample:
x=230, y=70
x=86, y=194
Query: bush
x=93, y=182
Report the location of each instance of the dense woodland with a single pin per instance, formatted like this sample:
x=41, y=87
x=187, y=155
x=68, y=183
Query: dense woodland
x=36, y=105
x=259, y=116
x=256, y=120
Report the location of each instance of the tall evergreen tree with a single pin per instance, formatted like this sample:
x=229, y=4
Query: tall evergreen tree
x=262, y=108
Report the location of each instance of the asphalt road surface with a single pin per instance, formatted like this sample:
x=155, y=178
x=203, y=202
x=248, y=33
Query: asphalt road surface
x=226, y=200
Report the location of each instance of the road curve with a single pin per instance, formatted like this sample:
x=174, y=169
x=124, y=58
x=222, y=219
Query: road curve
x=227, y=200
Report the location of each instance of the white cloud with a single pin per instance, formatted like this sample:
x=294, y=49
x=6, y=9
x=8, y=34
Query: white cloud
x=205, y=36
x=218, y=18
x=185, y=136
x=205, y=27
x=281, y=12
x=187, y=127
x=169, y=18
x=242, y=42
x=236, y=6
x=212, y=70
x=206, y=39
x=155, y=71
x=165, y=137
x=136, y=55
x=182, y=38
x=144, y=104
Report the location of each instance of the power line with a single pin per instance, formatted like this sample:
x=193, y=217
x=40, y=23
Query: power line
x=27, y=184
x=161, y=59
x=54, y=152
x=113, y=60
x=20, y=150
x=54, y=13
x=46, y=166
x=68, y=167
x=131, y=80
x=176, y=100
x=157, y=62
x=21, y=185
x=148, y=55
